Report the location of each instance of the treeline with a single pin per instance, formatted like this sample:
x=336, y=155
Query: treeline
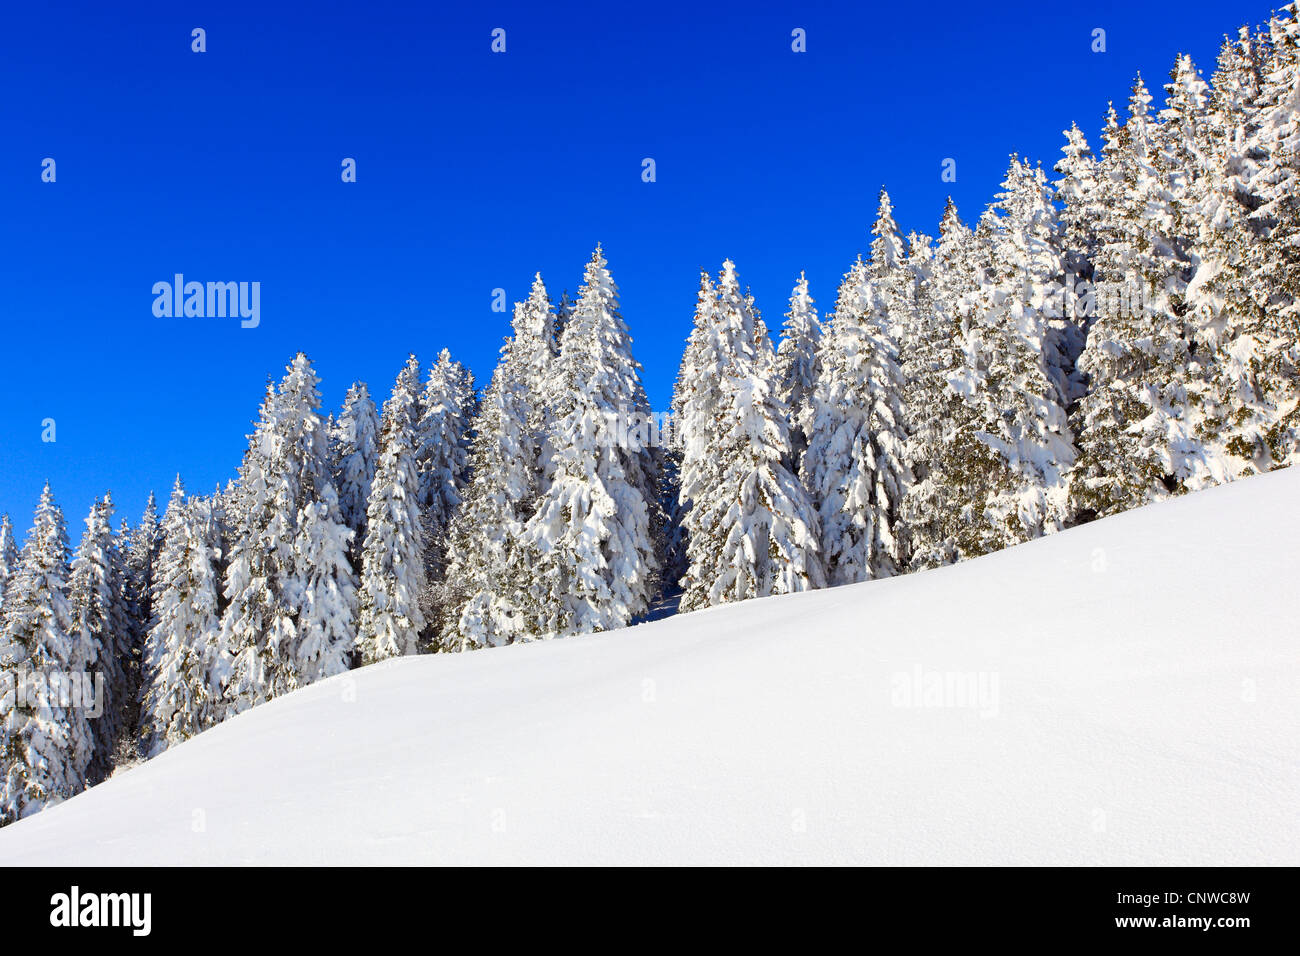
x=1120, y=334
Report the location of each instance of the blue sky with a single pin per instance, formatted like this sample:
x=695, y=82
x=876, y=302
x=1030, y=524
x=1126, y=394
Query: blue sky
x=474, y=170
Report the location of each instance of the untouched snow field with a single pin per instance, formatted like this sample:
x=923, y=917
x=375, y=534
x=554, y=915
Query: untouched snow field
x=1123, y=693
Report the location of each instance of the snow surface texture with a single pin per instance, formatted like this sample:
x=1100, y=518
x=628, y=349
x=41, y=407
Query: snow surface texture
x=1144, y=712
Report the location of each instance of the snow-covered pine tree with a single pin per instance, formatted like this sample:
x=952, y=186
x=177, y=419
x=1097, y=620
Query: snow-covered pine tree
x=1077, y=192
x=856, y=463
x=1137, y=426
x=1181, y=144
x=286, y=469
x=97, y=596
x=597, y=561
x=753, y=530
x=8, y=558
x=533, y=353
x=689, y=381
x=563, y=310
x=924, y=337
x=328, y=600
x=480, y=601
x=185, y=664
x=942, y=432
x=797, y=366
x=142, y=548
x=1013, y=379
x=393, y=579
x=1269, y=343
x=139, y=547
x=41, y=742
x=1227, y=308
x=356, y=452
x=442, y=457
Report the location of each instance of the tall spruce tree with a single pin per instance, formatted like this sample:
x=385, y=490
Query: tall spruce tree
x=185, y=662
x=442, y=458
x=393, y=581
x=41, y=744
x=481, y=601
x=1137, y=426
x=355, y=438
x=8, y=557
x=856, y=464
x=753, y=531
x=286, y=469
x=592, y=533
x=942, y=443
x=97, y=597
x=797, y=366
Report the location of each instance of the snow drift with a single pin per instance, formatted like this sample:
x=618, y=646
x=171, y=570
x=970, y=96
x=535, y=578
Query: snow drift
x=1121, y=693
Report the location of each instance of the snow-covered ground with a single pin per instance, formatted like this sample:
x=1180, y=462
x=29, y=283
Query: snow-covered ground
x=1136, y=700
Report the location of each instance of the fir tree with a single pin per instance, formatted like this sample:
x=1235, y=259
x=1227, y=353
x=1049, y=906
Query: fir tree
x=597, y=563
x=43, y=743
x=8, y=558
x=185, y=662
x=442, y=458
x=752, y=529
x=1077, y=191
x=942, y=442
x=856, y=463
x=286, y=469
x=797, y=366
x=356, y=450
x=480, y=602
x=99, y=617
x=328, y=601
x=1014, y=377
x=1137, y=426
x=393, y=579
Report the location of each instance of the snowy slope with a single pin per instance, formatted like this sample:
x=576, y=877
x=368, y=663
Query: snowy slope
x=1141, y=706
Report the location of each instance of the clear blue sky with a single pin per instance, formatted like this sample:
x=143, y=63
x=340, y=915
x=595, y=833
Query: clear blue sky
x=474, y=171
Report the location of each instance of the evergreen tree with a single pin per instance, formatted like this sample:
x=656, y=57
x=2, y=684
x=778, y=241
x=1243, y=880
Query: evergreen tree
x=1015, y=377
x=140, y=547
x=563, y=311
x=392, y=562
x=480, y=602
x=597, y=563
x=1137, y=426
x=797, y=366
x=856, y=463
x=1229, y=310
x=942, y=442
x=1267, y=343
x=286, y=469
x=442, y=458
x=752, y=529
x=185, y=663
x=1181, y=145
x=676, y=464
x=143, y=546
x=356, y=452
x=43, y=743
x=328, y=601
x=99, y=617
x=8, y=558
x=1077, y=191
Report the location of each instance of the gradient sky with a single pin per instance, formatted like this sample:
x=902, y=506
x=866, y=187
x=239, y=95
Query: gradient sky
x=475, y=170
